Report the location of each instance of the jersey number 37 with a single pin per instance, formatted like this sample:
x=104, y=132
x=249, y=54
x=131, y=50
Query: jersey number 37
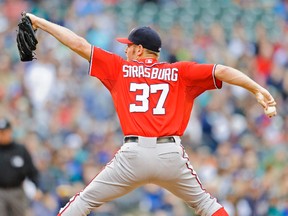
x=143, y=97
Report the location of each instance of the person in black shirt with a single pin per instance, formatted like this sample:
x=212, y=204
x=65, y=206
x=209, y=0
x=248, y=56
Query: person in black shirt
x=15, y=166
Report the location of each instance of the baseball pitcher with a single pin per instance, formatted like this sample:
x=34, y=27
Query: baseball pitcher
x=153, y=101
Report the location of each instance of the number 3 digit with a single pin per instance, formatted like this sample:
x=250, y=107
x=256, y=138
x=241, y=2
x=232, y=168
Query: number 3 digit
x=141, y=98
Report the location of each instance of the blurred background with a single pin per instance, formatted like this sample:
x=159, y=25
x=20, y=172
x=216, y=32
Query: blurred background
x=67, y=119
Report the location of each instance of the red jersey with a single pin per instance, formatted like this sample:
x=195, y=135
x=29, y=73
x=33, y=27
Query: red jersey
x=152, y=98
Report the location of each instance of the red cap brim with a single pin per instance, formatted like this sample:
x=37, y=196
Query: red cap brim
x=124, y=40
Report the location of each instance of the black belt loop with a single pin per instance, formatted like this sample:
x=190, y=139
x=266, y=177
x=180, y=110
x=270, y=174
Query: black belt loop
x=168, y=139
x=130, y=139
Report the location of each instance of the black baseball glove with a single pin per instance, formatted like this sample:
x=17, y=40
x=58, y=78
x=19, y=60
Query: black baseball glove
x=26, y=39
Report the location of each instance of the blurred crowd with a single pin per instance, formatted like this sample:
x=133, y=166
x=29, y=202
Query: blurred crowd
x=67, y=120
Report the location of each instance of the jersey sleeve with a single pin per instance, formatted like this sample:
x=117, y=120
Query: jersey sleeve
x=105, y=66
x=200, y=75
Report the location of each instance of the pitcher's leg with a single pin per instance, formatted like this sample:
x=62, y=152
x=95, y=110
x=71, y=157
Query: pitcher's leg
x=118, y=178
x=104, y=187
x=187, y=186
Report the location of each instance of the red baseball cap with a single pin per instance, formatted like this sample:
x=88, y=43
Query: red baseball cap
x=144, y=36
x=124, y=40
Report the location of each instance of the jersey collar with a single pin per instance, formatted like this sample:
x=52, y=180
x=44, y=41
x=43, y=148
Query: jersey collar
x=147, y=61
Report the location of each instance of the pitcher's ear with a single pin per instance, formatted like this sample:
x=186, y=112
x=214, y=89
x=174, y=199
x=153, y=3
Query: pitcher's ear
x=140, y=50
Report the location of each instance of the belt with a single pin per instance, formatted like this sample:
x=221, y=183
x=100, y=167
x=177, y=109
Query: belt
x=10, y=186
x=168, y=139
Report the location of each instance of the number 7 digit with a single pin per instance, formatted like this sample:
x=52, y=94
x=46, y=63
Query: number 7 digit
x=159, y=109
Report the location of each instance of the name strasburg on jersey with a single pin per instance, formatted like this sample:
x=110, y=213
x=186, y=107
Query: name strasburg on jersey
x=167, y=74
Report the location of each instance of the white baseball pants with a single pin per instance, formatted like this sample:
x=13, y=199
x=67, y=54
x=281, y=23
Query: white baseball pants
x=139, y=163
